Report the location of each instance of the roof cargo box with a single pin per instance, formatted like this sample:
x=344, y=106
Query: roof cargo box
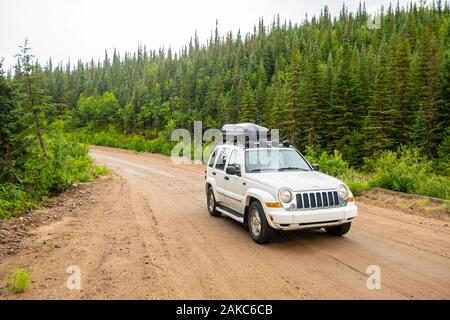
x=245, y=133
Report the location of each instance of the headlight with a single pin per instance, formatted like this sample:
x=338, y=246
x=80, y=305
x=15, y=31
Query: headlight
x=285, y=195
x=343, y=192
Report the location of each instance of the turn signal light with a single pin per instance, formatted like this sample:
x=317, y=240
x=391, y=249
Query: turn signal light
x=351, y=199
x=274, y=205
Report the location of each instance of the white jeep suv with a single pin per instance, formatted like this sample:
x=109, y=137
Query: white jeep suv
x=274, y=188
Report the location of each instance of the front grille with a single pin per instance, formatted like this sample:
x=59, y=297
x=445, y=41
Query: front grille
x=317, y=200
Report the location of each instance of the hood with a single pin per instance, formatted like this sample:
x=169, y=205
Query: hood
x=295, y=180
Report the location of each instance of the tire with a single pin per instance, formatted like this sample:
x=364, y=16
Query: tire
x=339, y=230
x=258, y=226
x=211, y=203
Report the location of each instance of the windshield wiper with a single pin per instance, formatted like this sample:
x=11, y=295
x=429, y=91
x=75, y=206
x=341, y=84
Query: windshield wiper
x=291, y=168
x=262, y=169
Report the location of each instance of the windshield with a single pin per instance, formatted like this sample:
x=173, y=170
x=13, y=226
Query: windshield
x=259, y=160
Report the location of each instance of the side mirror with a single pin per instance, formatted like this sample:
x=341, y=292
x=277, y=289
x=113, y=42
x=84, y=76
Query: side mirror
x=315, y=167
x=232, y=170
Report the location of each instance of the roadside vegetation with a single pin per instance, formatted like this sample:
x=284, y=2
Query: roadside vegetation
x=18, y=281
x=404, y=170
x=38, y=159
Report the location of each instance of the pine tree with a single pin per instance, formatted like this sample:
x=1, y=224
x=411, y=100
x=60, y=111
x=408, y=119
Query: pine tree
x=379, y=125
x=310, y=105
x=419, y=130
x=248, y=109
x=31, y=93
x=428, y=89
x=401, y=78
x=342, y=95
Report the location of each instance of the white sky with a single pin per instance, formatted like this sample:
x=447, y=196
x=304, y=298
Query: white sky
x=73, y=29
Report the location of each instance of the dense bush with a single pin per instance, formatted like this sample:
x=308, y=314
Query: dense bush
x=407, y=171
x=404, y=171
x=13, y=200
x=67, y=162
x=334, y=165
x=112, y=138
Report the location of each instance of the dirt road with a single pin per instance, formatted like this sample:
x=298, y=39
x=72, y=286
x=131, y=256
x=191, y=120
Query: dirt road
x=148, y=235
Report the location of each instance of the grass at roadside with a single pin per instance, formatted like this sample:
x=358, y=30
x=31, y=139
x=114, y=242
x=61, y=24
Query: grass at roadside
x=18, y=281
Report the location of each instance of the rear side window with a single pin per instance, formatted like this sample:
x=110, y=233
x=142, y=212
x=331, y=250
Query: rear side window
x=213, y=158
x=222, y=159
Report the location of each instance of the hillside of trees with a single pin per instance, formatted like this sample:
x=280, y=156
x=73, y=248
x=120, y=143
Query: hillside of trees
x=328, y=83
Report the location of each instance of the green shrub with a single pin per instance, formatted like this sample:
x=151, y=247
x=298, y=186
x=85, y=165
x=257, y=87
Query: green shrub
x=18, y=281
x=407, y=171
x=112, y=138
x=356, y=181
x=67, y=162
x=332, y=164
x=13, y=200
x=404, y=171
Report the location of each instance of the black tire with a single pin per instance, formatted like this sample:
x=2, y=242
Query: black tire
x=339, y=230
x=211, y=203
x=266, y=232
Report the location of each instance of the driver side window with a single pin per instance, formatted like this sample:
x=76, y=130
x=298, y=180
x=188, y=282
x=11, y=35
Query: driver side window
x=234, y=160
x=222, y=159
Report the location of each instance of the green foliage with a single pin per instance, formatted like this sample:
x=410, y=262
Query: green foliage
x=98, y=111
x=405, y=170
x=332, y=164
x=37, y=160
x=399, y=171
x=18, y=281
x=112, y=138
x=13, y=200
x=67, y=162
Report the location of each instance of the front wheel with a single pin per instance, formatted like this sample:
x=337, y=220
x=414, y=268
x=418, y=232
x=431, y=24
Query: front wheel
x=259, y=228
x=339, y=230
x=212, y=204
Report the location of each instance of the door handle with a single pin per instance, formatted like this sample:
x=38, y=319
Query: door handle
x=226, y=178
x=214, y=173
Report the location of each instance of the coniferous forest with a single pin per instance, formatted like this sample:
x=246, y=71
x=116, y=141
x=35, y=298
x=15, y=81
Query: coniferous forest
x=337, y=89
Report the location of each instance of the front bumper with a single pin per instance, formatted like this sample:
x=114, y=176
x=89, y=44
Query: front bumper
x=303, y=219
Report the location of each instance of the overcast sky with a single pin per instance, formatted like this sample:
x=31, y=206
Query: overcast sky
x=73, y=29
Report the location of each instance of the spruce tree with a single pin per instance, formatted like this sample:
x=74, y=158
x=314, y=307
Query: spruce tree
x=248, y=109
x=379, y=126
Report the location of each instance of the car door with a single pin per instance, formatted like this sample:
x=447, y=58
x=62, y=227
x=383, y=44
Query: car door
x=234, y=187
x=219, y=173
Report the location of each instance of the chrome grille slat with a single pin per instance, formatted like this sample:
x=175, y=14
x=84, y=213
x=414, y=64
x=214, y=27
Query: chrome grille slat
x=317, y=199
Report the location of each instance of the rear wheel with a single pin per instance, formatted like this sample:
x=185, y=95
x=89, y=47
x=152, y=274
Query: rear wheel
x=339, y=230
x=212, y=204
x=259, y=228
